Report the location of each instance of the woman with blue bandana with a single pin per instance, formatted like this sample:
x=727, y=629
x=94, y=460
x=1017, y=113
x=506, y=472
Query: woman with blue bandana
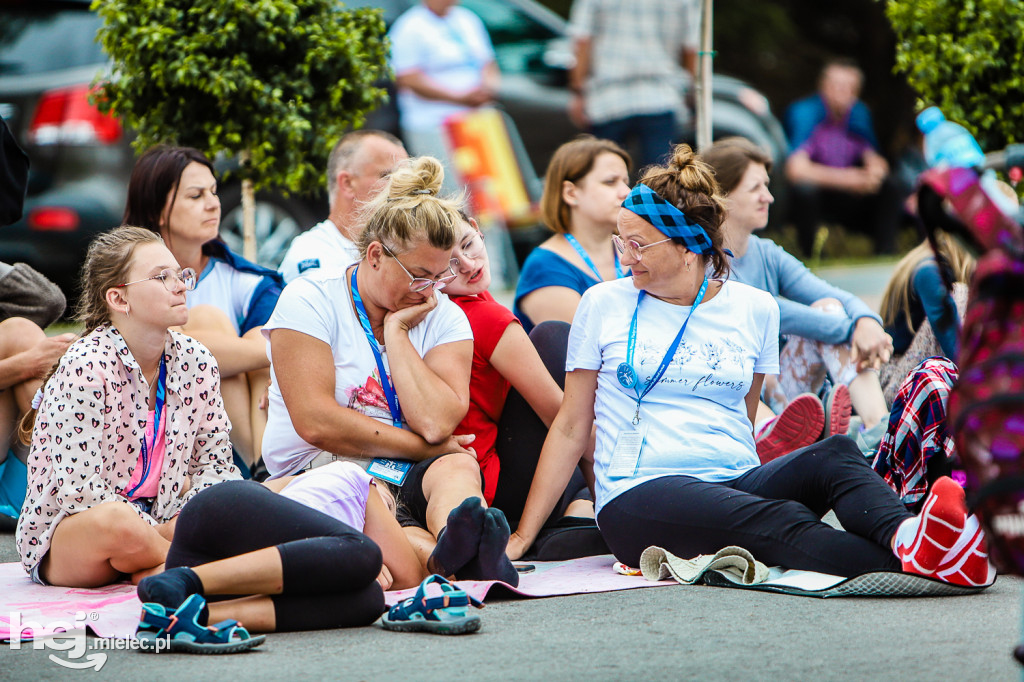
x=670, y=364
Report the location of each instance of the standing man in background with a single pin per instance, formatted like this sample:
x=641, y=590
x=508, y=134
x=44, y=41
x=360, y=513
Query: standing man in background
x=444, y=65
x=635, y=59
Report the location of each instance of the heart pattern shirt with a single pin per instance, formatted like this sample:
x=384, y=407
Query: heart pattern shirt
x=89, y=429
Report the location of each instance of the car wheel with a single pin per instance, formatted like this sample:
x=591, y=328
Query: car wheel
x=278, y=220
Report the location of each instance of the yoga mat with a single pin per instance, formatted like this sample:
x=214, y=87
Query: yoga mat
x=111, y=611
x=880, y=584
x=736, y=567
x=553, y=578
x=117, y=609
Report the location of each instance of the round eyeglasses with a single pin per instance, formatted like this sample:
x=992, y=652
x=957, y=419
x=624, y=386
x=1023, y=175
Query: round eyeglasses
x=185, y=277
x=418, y=284
x=472, y=249
x=632, y=248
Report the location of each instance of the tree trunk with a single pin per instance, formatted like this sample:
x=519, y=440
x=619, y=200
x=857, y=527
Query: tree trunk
x=248, y=214
x=703, y=88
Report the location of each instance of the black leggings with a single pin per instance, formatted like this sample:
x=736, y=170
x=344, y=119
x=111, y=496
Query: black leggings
x=329, y=569
x=774, y=511
x=521, y=434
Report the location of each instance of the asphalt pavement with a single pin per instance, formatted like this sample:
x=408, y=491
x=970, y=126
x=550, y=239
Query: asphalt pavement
x=663, y=632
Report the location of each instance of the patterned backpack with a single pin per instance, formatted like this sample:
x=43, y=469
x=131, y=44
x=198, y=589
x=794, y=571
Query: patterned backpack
x=986, y=407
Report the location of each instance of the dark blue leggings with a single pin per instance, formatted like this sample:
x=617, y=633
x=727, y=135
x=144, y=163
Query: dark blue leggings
x=774, y=511
x=329, y=569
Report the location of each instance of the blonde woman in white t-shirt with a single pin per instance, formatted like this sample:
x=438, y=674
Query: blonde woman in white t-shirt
x=372, y=364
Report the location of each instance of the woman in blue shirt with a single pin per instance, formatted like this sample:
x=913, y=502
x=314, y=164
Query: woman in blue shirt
x=586, y=181
x=827, y=330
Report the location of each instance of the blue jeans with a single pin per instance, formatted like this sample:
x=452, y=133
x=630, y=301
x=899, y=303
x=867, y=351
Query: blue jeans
x=654, y=134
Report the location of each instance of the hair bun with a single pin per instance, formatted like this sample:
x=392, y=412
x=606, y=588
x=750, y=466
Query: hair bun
x=418, y=176
x=682, y=157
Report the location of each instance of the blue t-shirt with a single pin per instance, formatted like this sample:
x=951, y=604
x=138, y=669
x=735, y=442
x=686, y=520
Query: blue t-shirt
x=545, y=268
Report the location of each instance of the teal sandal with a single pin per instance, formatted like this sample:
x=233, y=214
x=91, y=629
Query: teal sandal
x=182, y=631
x=446, y=614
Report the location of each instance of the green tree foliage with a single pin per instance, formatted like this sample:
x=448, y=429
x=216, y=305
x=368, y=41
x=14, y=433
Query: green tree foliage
x=967, y=58
x=276, y=81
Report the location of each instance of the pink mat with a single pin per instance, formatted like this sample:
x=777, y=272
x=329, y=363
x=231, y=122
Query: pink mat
x=554, y=578
x=113, y=611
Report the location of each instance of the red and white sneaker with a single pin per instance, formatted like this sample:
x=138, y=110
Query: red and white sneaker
x=967, y=562
x=939, y=526
x=796, y=427
x=838, y=408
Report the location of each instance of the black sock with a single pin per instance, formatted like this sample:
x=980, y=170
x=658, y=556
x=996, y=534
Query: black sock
x=458, y=541
x=491, y=562
x=171, y=588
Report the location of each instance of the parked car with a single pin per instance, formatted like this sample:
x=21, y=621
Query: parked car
x=81, y=159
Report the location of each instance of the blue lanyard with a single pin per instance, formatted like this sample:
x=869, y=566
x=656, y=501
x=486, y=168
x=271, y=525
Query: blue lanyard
x=574, y=243
x=625, y=373
x=161, y=395
x=385, y=382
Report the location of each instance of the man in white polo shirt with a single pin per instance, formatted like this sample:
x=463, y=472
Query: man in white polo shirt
x=356, y=169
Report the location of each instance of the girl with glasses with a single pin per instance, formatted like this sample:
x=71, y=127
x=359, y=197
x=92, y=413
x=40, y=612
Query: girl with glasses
x=669, y=365
x=173, y=192
x=372, y=364
x=514, y=389
x=585, y=182
x=128, y=427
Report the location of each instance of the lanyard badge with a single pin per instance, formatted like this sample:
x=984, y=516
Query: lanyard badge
x=391, y=470
x=627, y=375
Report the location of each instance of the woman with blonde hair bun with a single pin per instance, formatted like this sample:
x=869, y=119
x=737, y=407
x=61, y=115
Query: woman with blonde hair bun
x=372, y=364
x=669, y=365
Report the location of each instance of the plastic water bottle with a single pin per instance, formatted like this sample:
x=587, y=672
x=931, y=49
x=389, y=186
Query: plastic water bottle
x=947, y=143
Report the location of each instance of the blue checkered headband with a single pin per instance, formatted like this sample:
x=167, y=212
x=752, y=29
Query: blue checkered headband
x=669, y=220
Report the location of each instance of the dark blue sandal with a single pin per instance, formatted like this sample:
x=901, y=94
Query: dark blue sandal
x=182, y=632
x=446, y=614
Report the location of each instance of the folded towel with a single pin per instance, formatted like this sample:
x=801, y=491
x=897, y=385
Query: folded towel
x=659, y=564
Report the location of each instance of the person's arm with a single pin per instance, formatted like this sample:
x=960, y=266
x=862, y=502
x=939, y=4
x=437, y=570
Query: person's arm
x=516, y=359
x=211, y=458
x=939, y=306
x=566, y=443
x=799, y=288
x=550, y=303
x=753, y=398
x=427, y=88
x=688, y=60
x=75, y=455
x=35, y=362
x=234, y=354
x=577, y=80
x=433, y=390
x=800, y=169
x=875, y=165
x=382, y=527
x=304, y=369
